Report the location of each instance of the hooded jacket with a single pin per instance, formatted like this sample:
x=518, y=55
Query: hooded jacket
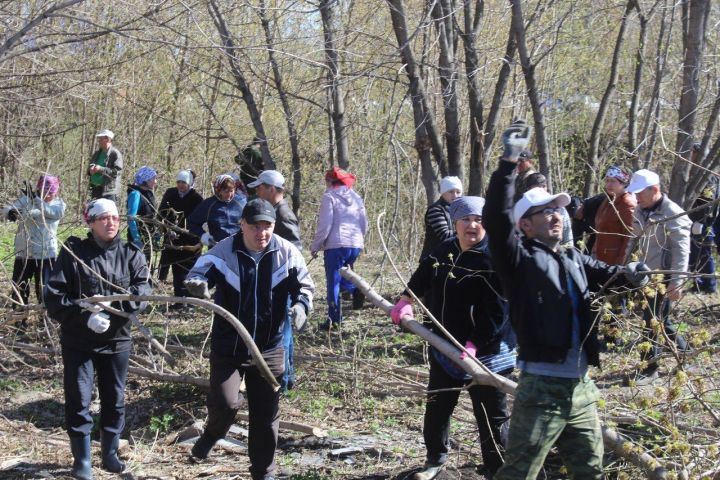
x=36, y=236
x=342, y=220
x=255, y=291
x=666, y=244
x=535, y=281
x=99, y=269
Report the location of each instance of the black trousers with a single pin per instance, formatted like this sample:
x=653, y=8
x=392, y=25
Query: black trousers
x=99, y=192
x=659, y=308
x=180, y=262
x=489, y=407
x=223, y=401
x=78, y=375
x=24, y=271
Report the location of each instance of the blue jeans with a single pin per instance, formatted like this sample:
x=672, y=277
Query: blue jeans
x=288, y=377
x=335, y=259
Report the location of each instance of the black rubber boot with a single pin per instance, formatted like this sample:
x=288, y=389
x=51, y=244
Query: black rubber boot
x=109, y=445
x=80, y=447
x=202, y=447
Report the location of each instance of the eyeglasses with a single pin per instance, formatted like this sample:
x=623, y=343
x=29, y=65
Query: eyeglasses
x=545, y=211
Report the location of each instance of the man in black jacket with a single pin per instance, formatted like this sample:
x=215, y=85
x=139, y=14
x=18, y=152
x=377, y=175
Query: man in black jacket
x=256, y=275
x=92, y=340
x=548, y=290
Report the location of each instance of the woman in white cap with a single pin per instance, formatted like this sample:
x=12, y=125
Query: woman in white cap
x=91, y=339
x=176, y=206
x=438, y=226
x=462, y=292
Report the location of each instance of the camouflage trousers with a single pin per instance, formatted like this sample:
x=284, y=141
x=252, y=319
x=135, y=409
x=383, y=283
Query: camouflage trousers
x=554, y=411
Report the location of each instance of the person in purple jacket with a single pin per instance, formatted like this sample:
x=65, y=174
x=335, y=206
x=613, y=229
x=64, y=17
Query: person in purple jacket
x=340, y=233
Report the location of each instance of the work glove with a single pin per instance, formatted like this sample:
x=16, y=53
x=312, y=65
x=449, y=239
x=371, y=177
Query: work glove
x=298, y=316
x=98, y=322
x=636, y=274
x=35, y=213
x=515, y=139
x=697, y=228
x=197, y=288
x=171, y=235
x=471, y=349
x=402, y=308
x=207, y=240
x=13, y=215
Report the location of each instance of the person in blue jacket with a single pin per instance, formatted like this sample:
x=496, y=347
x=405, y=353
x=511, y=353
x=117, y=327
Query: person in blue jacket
x=218, y=217
x=141, y=210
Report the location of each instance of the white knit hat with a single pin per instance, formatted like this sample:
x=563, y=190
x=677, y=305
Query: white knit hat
x=450, y=183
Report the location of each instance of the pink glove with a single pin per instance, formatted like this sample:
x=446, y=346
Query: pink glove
x=401, y=309
x=471, y=348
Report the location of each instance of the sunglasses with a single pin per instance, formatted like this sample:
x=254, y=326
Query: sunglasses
x=545, y=211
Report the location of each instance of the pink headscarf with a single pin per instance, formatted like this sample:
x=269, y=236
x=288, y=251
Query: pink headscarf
x=48, y=184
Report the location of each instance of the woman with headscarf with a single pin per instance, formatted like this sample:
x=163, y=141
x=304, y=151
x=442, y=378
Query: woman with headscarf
x=141, y=210
x=94, y=342
x=463, y=294
x=342, y=225
x=614, y=218
x=438, y=226
x=179, y=251
x=218, y=217
x=37, y=214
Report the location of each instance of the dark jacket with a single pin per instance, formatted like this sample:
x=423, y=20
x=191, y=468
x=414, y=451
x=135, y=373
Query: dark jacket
x=464, y=295
x=286, y=224
x=119, y=263
x=256, y=293
x=223, y=218
x=110, y=172
x=534, y=279
x=176, y=210
x=438, y=226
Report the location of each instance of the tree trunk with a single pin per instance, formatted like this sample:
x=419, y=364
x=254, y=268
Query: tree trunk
x=632, y=145
x=292, y=131
x=706, y=163
x=327, y=8
x=518, y=29
x=444, y=16
x=592, y=165
x=247, y=96
x=425, y=133
x=472, y=67
x=695, y=15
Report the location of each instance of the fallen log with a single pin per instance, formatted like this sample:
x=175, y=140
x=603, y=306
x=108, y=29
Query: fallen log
x=292, y=426
x=620, y=445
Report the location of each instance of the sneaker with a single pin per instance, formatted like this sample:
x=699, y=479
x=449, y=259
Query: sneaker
x=358, y=298
x=428, y=472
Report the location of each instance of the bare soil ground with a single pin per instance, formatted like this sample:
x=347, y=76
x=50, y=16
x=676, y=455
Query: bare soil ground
x=364, y=385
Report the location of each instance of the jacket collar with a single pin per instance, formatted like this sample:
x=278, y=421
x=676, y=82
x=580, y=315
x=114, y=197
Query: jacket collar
x=239, y=244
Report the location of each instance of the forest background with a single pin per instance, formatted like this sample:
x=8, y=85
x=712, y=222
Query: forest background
x=400, y=93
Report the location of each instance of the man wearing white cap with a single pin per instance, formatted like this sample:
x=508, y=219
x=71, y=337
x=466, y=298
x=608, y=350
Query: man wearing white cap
x=105, y=166
x=270, y=186
x=438, y=226
x=548, y=293
x=93, y=340
x=662, y=245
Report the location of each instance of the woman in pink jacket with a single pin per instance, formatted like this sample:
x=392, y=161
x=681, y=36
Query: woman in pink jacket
x=341, y=229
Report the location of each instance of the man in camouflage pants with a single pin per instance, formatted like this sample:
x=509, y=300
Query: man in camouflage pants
x=548, y=291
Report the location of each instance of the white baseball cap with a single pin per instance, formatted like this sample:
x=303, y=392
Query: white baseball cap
x=106, y=133
x=641, y=180
x=450, y=183
x=535, y=197
x=269, y=177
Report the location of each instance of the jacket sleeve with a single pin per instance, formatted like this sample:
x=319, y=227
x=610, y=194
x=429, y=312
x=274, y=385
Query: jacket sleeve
x=114, y=164
x=436, y=220
x=304, y=287
x=51, y=211
x=598, y=273
x=58, y=293
x=198, y=217
x=289, y=224
x=133, y=203
x=636, y=229
x=325, y=221
x=421, y=279
x=139, y=279
x=678, y=231
x=498, y=221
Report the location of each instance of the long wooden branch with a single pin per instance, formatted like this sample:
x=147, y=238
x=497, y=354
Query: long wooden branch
x=619, y=444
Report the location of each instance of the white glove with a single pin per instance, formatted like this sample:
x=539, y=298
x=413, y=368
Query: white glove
x=35, y=213
x=515, y=139
x=207, y=240
x=298, y=316
x=197, y=288
x=98, y=322
x=697, y=228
